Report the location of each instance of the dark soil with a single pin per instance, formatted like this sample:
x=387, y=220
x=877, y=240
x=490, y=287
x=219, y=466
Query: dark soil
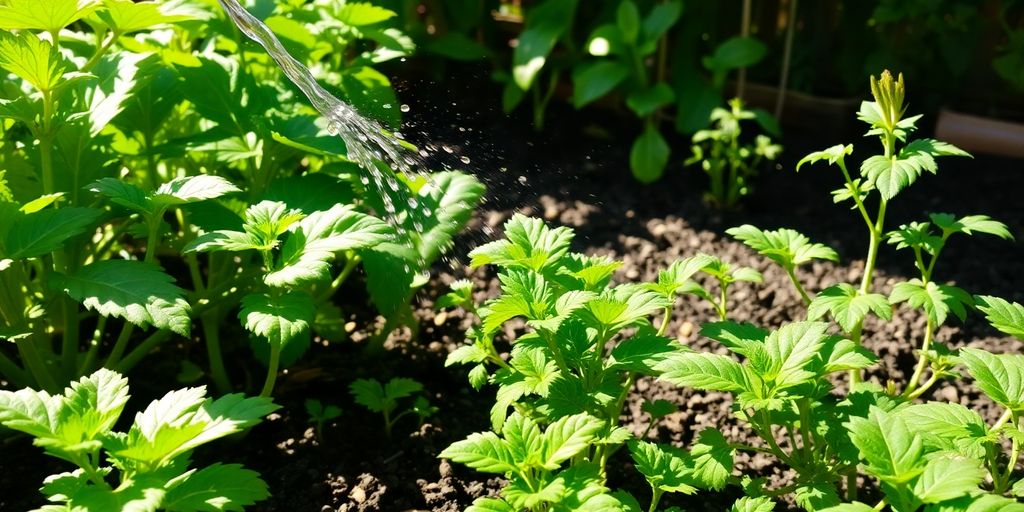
x=575, y=173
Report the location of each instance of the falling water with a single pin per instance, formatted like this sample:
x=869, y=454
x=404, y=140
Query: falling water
x=370, y=146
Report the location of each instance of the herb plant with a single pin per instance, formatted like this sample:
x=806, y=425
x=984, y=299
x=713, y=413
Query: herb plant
x=383, y=399
x=147, y=466
x=320, y=414
x=730, y=162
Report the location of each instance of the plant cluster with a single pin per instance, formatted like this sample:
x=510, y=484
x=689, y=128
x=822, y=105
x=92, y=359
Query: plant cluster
x=579, y=341
x=383, y=399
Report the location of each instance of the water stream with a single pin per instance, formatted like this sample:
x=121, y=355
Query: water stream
x=379, y=153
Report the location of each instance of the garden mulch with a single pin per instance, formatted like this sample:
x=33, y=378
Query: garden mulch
x=575, y=173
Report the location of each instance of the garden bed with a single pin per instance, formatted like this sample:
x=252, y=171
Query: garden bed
x=583, y=181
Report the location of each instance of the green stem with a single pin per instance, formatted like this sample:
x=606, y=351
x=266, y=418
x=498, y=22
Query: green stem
x=211, y=335
x=34, y=362
x=120, y=345
x=275, y=360
x=922, y=363
x=350, y=264
x=655, y=498
x=142, y=350
x=100, y=51
x=796, y=282
x=69, y=339
x=664, y=321
x=94, y=346
x=804, y=406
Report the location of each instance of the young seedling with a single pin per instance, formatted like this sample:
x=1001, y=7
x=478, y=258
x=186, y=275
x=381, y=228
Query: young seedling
x=146, y=467
x=383, y=399
x=320, y=414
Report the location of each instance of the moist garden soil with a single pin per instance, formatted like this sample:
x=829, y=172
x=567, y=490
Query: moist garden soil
x=575, y=173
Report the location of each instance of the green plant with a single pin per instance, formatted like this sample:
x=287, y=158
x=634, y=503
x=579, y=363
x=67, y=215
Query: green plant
x=146, y=467
x=568, y=375
x=319, y=414
x=383, y=398
x=730, y=162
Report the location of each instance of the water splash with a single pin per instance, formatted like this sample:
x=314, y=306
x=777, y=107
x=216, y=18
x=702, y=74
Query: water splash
x=379, y=153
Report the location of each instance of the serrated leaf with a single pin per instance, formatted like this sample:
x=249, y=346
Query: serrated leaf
x=452, y=197
x=138, y=292
x=832, y=154
x=45, y=231
x=946, y=478
x=665, y=467
x=218, y=487
x=711, y=372
x=191, y=189
x=483, y=452
x=936, y=300
x=1000, y=377
x=790, y=349
x=126, y=16
x=642, y=353
x=308, y=250
x=848, y=306
x=279, y=319
x=892, y=174
x=659, y=408
x=29, y=57
x=894, y=451
x=49, y=15
x=567, y=437
x=783, y=246
x=971, y=224
x=947, y=426
x=678, y=275
x=625, y=306
x=529, y=243
x=749, y=504
x=816, y=496
x=1005, y=316
x=712, y=459
x=916, y=235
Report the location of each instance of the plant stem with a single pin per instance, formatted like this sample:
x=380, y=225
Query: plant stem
x=655, y=498
x=806, y=430
x=120, y=345
x=275, y=360
x=94, y=346
x=34, y=362
x=922, y=363
x=796, y=282
x=664, y=321
x=211, y=335
x=142, y=350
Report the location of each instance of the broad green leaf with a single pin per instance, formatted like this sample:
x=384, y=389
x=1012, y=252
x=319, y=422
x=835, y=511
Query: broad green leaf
x=140, y=293
x=894, y=451
x=642, y=353
x=832, y=154
x=94, y=403
x=310, y=247
x=391, y=276
x=661, y=18
x=29, y=57
x=736, y=52
x=535, y=369
x=218, y=487
x=191, y=189
x=816, y=496
x=451, y=197
x=627, y=18
x=484, y=452
x=743, y=339
x=461, y=294
x=848, y=306
x=530, y=243
x=45, y=15
x=268, y=220
x=279, y=319
x=545, y=23
x=947, y=478
x=649, y=155
x=758, y=504
x=624, y=307
x=45, y=231
x=790, y=349
x=490, y=505
x=840, y=354
x=36, y=413
x=126, y=16
x=783, y=246
x=678, y=274
x=946, y=426
x=1005, y=316
x=937, y=300
x=358, y=14
x=710, y=372
x=665, y=467
x=38, y=203
x=606, y=40
x=971, y=224
x=525, y=440
x=567, y=437
x=593, y=80
x=659, y=408
x=1001, y=376
x=892, y=174
x=123, y=193
x=712, y=459
x=643, y=102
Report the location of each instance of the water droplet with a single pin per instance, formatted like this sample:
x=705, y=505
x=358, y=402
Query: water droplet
x=503, y=169
x=404, y=107
x=417, y=226
x=387, y=106
x=412, y=202
x=398, y=135
x=364, y=179
x=448, y=149
x=424, y=153
x=522, y=180
x=465, y=160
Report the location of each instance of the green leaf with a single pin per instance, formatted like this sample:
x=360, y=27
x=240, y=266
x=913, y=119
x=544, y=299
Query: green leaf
x=783, y=246
x=545, y=23
x=712, y=459
x=916, y=235
x=649, y=155
x=710, y=372
x=642, y=353
x=893, y=449
x=380, y=398
x=35, y=413
x=736, y=52
x=1005, y=316
x=947, y=478
x=661, y=18
x=624, y=307
x=816, y=496
x=643, y=102
x=279, y=319
x=848, y=306
x=126, y=16
x=749, y=504
x=310, y=247
x=45, y=231
x=218, y=487
x=892, y=174
x=138, y=292
x=567, y=437
x=1001, y=377
x=595, y=79
x=49, y=15
x=659, y=408
x=452, y=197
x=833, y=154
x=606, y=40
x=358, y=14
x=790, y=349
x=191, y=189
x=970, y=224
x=947, y=426
x=627, y=18
x=665, y=467
x=461, y=295
x=530, y=244
x=484, y=452
x=850, y=507
x=937, y=300
x=490, y=505
x=677, y=275
x=29, y=57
